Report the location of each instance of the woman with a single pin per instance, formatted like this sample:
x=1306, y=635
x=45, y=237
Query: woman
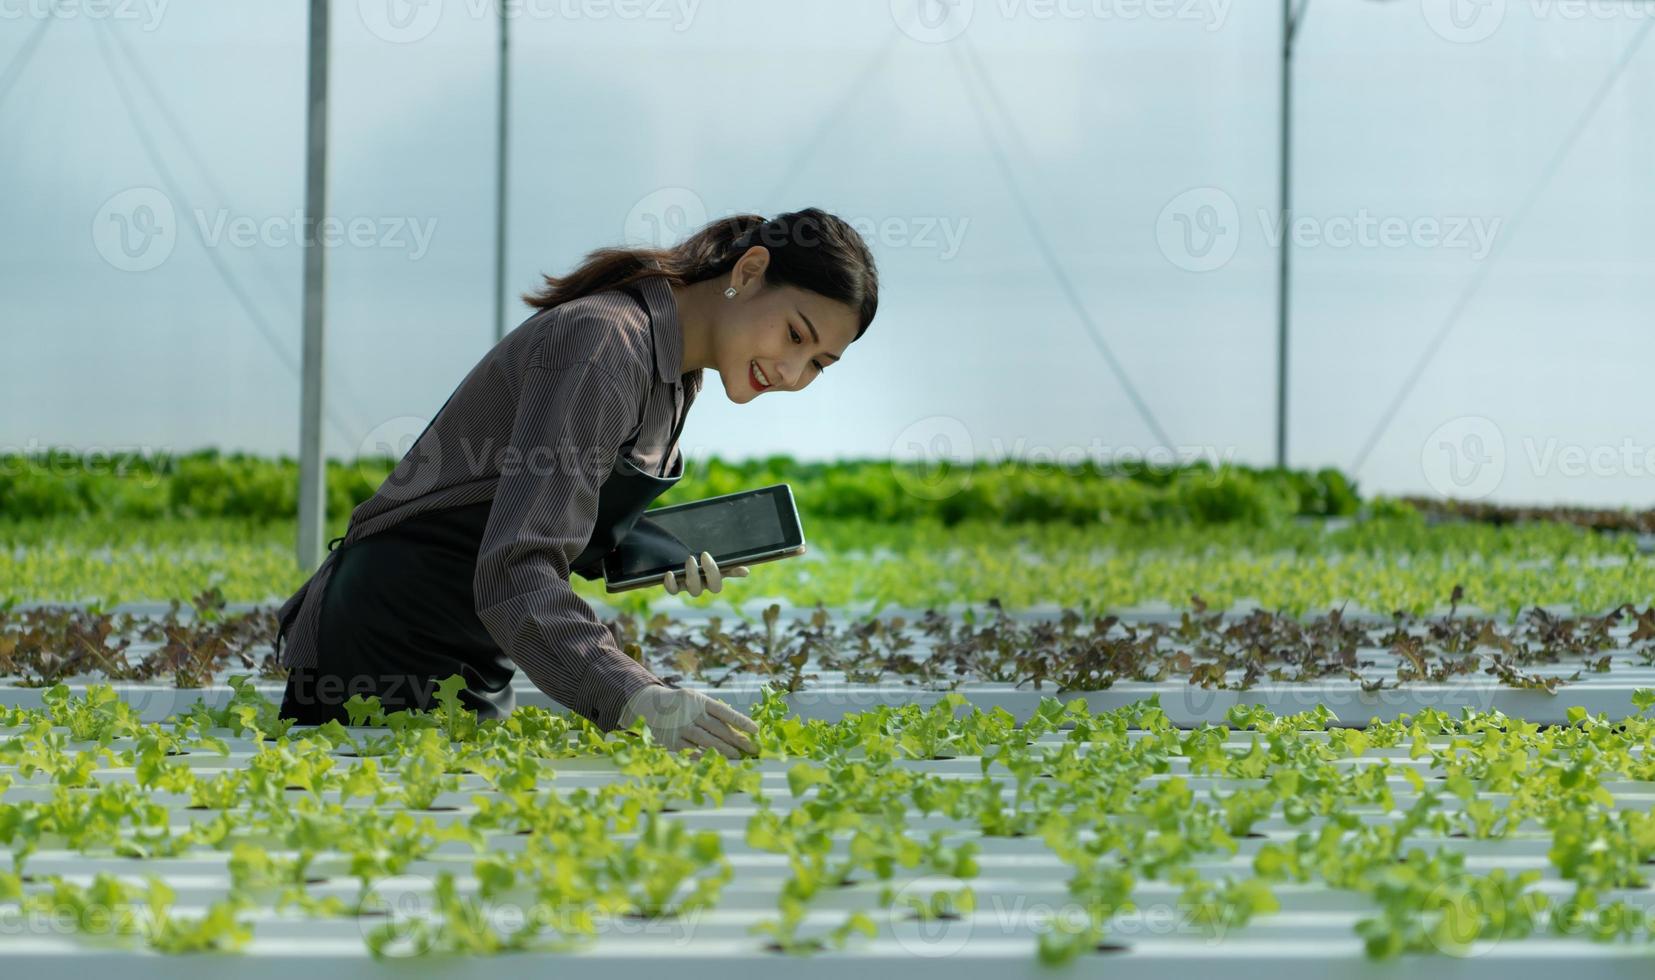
x=543, y=458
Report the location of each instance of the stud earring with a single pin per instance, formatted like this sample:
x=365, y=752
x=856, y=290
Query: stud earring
x=729, y=292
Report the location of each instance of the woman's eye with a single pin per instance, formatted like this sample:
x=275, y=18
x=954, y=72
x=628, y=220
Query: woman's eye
x=794, y=334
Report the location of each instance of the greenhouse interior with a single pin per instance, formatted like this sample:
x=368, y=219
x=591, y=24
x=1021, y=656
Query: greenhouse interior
x=1197, y=527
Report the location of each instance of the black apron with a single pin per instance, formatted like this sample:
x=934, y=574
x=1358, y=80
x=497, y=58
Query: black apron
x=399, y=614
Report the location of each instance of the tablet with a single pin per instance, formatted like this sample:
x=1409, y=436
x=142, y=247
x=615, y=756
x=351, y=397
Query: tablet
x=746, y=528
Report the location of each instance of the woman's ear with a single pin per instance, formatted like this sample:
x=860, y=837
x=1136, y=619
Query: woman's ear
x=749, y=269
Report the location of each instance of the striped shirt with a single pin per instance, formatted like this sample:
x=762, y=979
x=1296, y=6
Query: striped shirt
x=536, y=426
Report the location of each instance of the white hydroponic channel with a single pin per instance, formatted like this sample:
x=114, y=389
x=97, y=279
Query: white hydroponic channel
x=1021, y=886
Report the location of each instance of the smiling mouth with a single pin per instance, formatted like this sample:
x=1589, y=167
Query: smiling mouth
x=753, y=377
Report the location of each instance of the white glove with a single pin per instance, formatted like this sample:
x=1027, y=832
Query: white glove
x=679, y=718
x=694, y=572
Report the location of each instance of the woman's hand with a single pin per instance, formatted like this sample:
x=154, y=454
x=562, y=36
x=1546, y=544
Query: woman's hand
x=695, y=571
x=679, y=718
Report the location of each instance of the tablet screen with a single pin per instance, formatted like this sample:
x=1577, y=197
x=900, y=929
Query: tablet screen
x=747, y=524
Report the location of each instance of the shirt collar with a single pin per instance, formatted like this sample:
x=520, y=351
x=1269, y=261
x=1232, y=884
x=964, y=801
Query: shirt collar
x=665, y=326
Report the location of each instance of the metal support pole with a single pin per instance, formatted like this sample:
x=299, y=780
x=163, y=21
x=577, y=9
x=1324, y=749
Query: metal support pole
x=312, y=469
x=500, y=182
x=1284, y=249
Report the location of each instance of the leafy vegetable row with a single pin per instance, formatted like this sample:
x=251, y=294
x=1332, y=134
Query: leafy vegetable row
x=1121, y=799
x=1392, y=563
x=1202, y=646
x=1640, y=521
x=208, y=484
x=44, y=645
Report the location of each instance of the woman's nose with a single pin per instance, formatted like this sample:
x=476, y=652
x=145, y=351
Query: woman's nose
x=788, y=373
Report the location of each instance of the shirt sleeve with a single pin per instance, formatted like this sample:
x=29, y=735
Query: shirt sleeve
x=570, y=423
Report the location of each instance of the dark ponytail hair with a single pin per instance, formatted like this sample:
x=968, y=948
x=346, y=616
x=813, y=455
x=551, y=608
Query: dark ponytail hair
x=809, y=249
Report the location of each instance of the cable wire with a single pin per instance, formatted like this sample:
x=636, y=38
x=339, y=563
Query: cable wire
x=1480, y=275
x=852, y=91
x=1047, y=252
x=214, y=259
x=14, y=68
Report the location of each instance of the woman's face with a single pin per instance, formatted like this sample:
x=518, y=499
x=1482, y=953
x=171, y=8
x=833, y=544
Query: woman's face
x=790, y=335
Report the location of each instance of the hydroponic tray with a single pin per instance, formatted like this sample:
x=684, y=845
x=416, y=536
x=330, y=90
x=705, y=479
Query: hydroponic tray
x=1186, y=705
x=829, y=696
x=1019, y=888
x=754, y=607
x=1601, y=681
